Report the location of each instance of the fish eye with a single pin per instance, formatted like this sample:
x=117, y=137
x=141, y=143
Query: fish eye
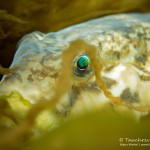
x=83, y=62
x=82, y=65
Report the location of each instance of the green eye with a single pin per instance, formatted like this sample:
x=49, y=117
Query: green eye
x=82, y=65
x=83, y=62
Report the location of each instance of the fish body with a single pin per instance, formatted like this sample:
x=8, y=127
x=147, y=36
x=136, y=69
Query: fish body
x=122, y=42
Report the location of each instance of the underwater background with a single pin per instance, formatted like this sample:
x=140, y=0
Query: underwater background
x=19, y=17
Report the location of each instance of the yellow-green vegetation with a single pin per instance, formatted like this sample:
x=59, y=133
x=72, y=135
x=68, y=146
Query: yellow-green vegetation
x=94, y=131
